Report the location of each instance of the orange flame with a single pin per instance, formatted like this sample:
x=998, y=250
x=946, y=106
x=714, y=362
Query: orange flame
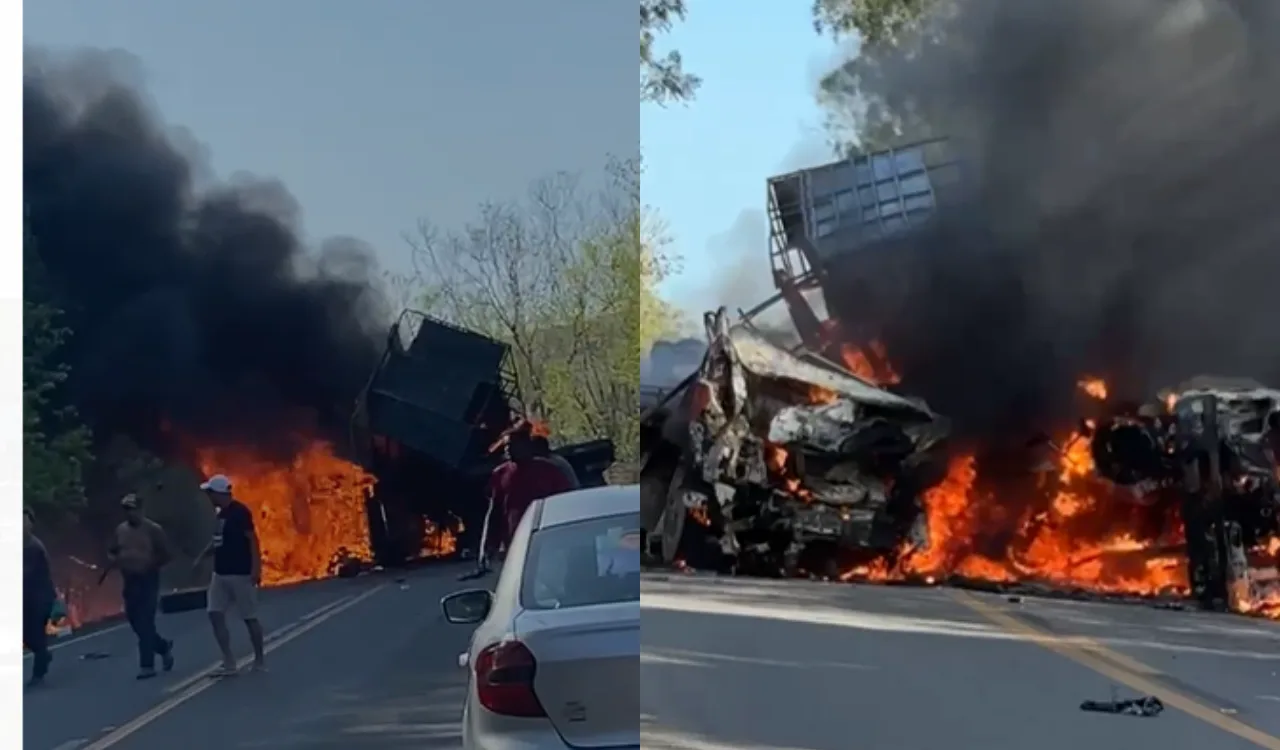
x=438, y=541
x=870, y=364
x=1095, y=387
x=1069, y=531
x=309, y=512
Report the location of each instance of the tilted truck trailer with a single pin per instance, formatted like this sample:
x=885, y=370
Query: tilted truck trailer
x=425, y=424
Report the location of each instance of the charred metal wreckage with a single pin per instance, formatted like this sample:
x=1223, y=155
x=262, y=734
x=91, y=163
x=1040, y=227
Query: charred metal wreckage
x=1209, y=445
x=783, y=461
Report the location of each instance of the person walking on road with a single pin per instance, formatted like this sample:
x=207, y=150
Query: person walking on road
x=139, y=550
x=38, y=596
x=237, y=573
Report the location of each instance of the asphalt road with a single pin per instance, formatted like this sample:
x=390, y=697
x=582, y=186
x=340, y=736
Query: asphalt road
x=353, y=664
x=756, y=665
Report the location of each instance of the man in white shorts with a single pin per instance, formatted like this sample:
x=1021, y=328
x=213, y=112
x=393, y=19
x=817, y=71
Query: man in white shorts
x=237, y=572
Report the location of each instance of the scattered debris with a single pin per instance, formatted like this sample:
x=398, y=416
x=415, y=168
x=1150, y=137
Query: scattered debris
x=1145, y=706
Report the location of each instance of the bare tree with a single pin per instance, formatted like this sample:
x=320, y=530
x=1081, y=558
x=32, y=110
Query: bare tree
x=558, y=277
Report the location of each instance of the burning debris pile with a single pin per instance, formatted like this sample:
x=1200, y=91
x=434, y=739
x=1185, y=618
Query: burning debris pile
x=785, y=464
x=1207, y=451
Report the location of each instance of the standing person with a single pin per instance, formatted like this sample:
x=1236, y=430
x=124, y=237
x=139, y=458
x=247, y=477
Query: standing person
x=38, y=595
x=237, y=573
x=139, y=550
x=514, y=486
x=542, y=450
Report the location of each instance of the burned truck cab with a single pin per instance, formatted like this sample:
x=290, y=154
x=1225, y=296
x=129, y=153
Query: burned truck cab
x=1210, y=444
x=781, y=462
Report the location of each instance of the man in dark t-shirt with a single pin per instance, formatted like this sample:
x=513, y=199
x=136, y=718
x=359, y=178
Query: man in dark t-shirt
x=38, y=595
x=237, y=573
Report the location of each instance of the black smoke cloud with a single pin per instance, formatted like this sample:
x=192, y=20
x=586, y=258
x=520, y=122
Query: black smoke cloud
x=1117, y=217
x=193, y=304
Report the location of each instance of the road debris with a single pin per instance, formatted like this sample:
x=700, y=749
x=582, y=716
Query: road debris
x=1148, y=705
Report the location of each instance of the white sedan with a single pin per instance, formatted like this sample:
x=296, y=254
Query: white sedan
x=555, y=659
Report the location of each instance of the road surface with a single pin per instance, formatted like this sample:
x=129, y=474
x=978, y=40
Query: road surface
x=764, y=665
x=353, y=664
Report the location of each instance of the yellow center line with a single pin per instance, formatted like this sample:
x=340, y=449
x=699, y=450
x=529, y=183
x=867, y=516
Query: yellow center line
x=125, y=731
x=1122, y=669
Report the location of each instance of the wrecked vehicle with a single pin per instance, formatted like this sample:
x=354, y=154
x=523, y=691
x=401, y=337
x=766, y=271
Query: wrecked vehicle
x=781, y=462
x=1208, y=445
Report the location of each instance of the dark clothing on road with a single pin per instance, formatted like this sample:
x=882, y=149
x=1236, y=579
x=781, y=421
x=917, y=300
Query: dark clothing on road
x=141, y=602
x=38, y=595
x=514, y=487
x=232, y=545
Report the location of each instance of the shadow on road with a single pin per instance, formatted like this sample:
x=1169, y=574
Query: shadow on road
x=793, y=665
x=406, y=714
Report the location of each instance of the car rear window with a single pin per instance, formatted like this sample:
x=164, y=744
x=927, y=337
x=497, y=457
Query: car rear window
x=583, y=563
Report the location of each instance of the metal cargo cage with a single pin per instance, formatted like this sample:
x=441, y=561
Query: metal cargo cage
x=439, y=390
x=819, y=214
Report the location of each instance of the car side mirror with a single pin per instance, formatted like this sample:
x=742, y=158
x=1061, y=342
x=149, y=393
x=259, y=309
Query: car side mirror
x=467, y=607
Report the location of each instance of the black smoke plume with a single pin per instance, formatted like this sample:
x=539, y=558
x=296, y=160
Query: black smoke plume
x=1117, y=216
x=195, y=305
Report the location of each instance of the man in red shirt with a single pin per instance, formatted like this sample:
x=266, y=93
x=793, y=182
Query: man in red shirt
x=515, y=485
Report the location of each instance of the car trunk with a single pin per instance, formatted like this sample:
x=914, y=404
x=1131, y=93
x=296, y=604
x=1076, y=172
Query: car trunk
x=588, y=672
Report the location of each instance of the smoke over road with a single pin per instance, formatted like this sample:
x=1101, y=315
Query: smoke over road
x=1122, y=163
x=194, y=306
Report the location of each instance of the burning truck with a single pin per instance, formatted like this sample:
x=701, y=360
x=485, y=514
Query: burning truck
x=439, y=400
x=785, y=460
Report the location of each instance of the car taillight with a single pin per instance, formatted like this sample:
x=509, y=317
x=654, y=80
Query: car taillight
x=504, y=680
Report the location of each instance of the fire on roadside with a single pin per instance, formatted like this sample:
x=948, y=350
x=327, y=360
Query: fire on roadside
x=1067, y=530
x=438, y=541
x=309, y=511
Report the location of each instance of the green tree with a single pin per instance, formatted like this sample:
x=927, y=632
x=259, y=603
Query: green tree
x=55, y=445
x=865, y=108
x=662, y=77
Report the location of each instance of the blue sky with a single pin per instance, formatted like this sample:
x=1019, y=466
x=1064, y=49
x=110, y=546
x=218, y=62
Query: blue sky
x=374, y=114
x=755, y=116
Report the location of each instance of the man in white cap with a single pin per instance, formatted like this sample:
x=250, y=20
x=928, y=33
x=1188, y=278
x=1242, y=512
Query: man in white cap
x=237, y=573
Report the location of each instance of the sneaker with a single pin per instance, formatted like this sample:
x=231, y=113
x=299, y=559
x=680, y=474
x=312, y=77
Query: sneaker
x=35, y=682
x=258, y=667
x=226, y=670
x=166, y=659
x=147, y=674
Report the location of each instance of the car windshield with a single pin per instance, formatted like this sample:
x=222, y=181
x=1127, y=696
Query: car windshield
x=579, y=564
